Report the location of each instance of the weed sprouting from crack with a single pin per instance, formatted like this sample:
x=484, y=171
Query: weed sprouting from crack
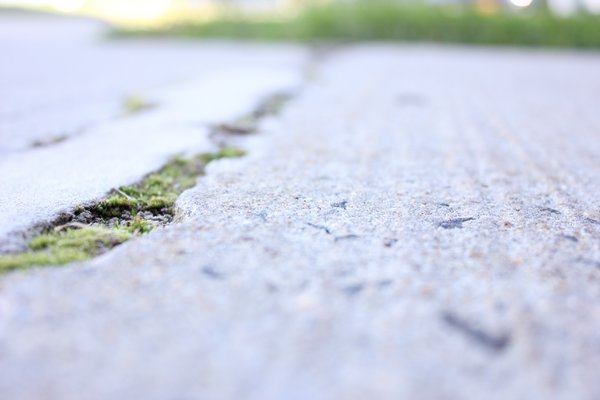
x=129, y=211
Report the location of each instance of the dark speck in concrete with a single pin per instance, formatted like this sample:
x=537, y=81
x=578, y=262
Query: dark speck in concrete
x=346, y=237
x=456, y=223
x=353, y=290
x=495, y=343
x=212, y=273
x=49, y=141
x=570, y=238
x=592, y=221
x=549, y=210
x=384, y=283
x=321, y=227
x=262, y=215
x=390, y=242
x=341, y=204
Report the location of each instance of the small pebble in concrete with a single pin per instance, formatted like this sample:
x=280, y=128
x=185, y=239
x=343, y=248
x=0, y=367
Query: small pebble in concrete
x=341, y=204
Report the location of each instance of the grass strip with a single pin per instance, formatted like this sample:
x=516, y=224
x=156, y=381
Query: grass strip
x=369, y=20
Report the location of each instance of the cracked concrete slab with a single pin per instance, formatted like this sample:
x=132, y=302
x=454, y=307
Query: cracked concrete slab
x=420, y=222
x=86, y=77
x=40, y=184
x=195, y=86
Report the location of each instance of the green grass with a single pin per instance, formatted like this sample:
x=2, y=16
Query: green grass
x=392, y=21
x=127, y=213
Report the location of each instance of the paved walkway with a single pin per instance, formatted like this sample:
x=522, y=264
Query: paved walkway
x=65, y=136
x=61, y=77
x=420, y=222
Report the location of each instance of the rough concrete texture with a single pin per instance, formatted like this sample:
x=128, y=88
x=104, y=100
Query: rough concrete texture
x=420, y=223
x=190, y=88
x=39, y=184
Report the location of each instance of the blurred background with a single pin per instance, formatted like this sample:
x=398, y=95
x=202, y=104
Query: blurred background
x=161, y=11
x=556, y=23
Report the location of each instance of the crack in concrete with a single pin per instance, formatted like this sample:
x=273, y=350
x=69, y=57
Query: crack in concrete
x=93, y=215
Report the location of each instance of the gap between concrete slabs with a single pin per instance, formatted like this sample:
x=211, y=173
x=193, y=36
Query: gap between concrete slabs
x=39, y=185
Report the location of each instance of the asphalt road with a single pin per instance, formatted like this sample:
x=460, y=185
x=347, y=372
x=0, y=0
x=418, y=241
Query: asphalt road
x=420, y=222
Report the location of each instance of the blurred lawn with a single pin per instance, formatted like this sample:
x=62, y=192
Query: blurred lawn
x=389, y=21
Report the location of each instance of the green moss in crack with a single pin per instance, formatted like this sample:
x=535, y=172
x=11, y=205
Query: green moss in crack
x=63, y=247
x=139, y=226
x=128, y=212
x=157, y=193
x=136, y=104
x=226, y=152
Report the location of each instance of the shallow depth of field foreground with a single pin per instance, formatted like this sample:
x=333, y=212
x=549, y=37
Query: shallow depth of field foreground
x=324, y=216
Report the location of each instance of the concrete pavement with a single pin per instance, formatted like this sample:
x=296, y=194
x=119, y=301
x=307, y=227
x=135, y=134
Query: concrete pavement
x=420, y=222
x=65, y=134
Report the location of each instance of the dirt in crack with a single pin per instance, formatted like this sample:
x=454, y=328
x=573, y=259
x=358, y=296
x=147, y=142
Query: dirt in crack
x=248, y=124
x=129, y=211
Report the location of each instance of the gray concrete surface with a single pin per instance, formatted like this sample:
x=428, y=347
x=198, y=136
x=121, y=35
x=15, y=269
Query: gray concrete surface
x=57, y=71
x=60, y=76
x=420, y=223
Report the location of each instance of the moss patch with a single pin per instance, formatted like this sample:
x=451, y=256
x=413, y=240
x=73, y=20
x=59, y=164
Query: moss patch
x=129, y=211
x=63, y=247
x=135, y=105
